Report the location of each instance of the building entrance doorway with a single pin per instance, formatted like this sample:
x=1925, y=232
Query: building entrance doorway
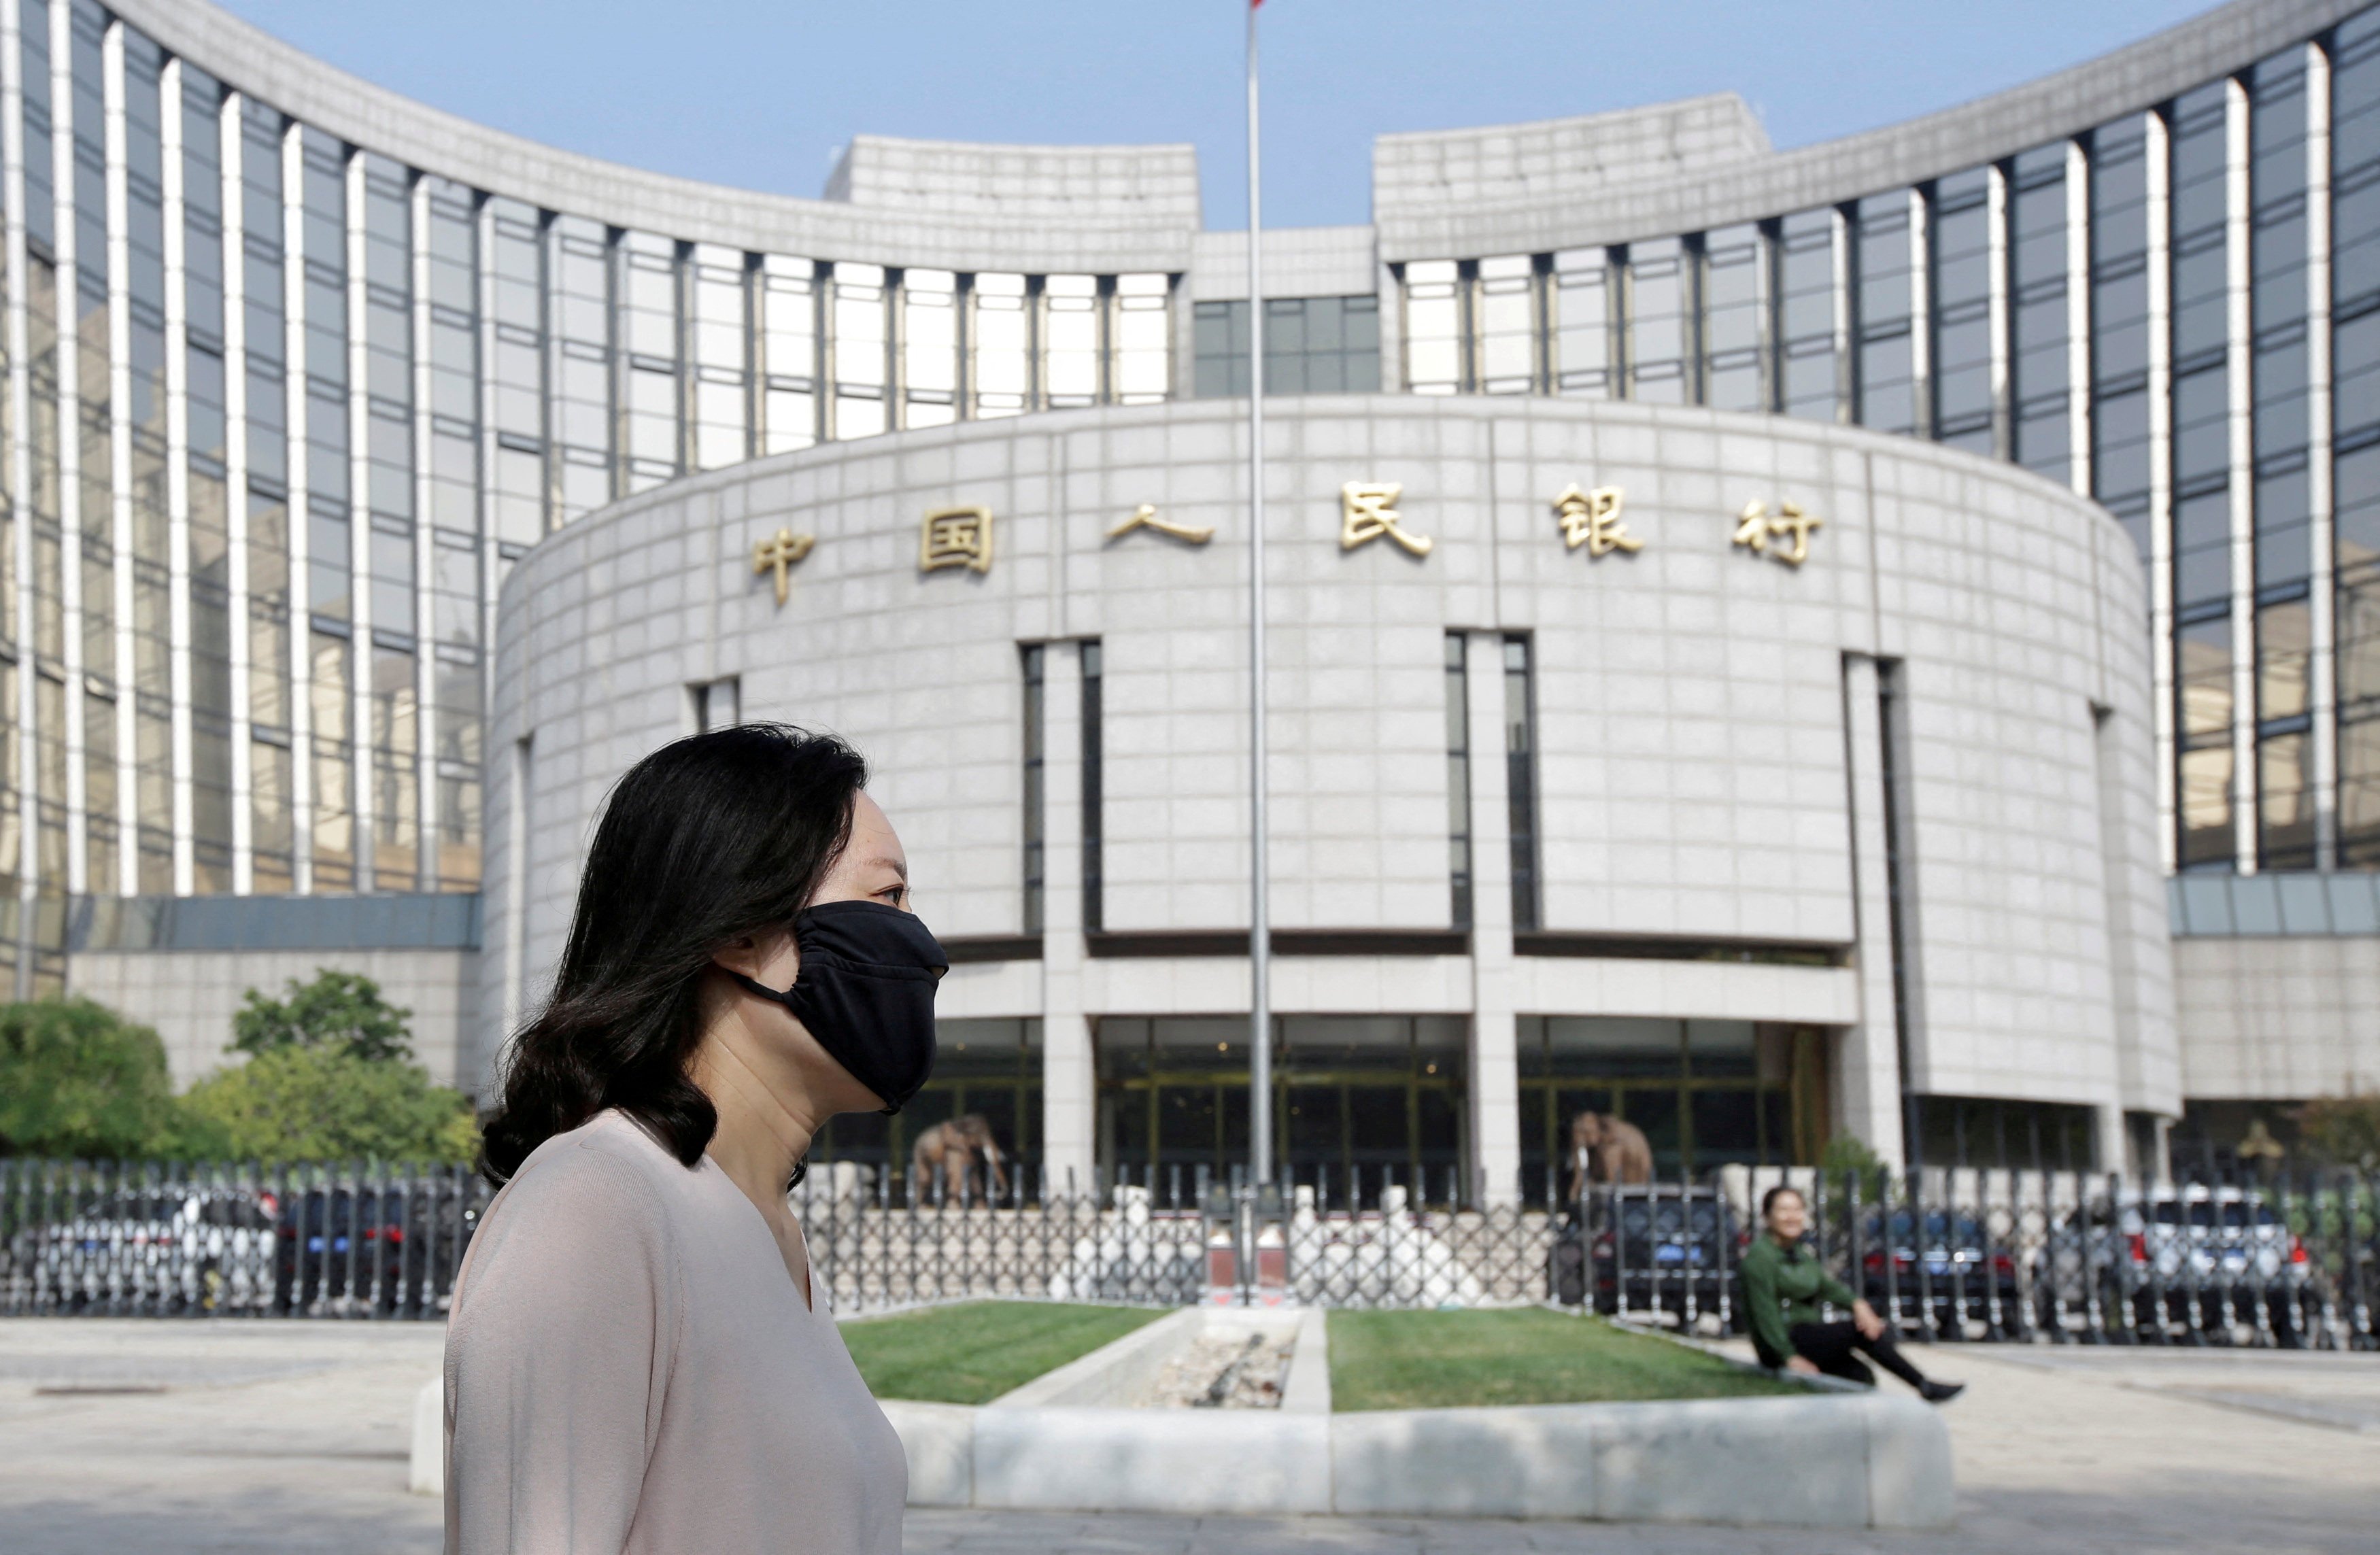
x=1357, y=1099
x=992, y=1067
x=1706, y=1093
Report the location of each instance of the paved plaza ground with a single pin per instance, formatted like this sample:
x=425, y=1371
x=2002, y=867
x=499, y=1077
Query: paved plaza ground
x=290, y=1439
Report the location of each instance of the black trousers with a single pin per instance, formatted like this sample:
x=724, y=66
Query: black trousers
x=1829, y=1346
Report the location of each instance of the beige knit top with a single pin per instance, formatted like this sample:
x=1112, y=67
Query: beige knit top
x=629, y=1368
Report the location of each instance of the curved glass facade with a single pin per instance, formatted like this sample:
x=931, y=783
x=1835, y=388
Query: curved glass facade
x=280, y=409
x=2176, y=311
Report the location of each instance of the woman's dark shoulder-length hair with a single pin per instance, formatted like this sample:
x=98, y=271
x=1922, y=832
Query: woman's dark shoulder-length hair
x=719, y=836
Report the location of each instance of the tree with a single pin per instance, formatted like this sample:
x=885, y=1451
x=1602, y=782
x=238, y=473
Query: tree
x=341, y=1009
x=76, y=1079
x=1847, y=1160
x=2342, y=1130
x=325, y=1102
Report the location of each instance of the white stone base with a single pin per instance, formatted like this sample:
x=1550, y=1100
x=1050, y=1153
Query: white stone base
x=1826, y=1462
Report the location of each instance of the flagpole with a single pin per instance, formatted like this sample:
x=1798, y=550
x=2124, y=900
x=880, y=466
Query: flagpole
x=1259, y=900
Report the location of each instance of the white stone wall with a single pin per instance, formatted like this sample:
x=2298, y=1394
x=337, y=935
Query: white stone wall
x=189, y=997
x=2265, y=1018
x=1696, y=744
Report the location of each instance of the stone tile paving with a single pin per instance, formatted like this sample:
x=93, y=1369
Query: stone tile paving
x=289, y=1439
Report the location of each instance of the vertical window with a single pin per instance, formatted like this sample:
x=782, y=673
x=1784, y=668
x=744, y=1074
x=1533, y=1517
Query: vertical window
x=1521, y=777
x=1961, y=299
x=94, y=490
x=859, y=348
x=516, y=264
x=1883, y=304
x=1071, y=343
x=2355, y=398
x=1506, y=312
x=722, y=393
x=1580, y=295
x=142, y=416
x=1735, y=306
x=649, y=327
x=1660, y=320
x=331, y=703
x=579, y=267
x=210, y=509
x=1035, y=657
x=1094, y=791
x=2280, y=434
x=2203, y=720
x=1458, y=779
x=1002, y=343
x=1808, y=377
x=788, y=324
x=1433, y=327
x=2120, y=326
x=1142, y=372
x=717, y=704
x=2285, y=801
x=2038, y=311
x=395, y=766
x=1219, y=338
x=930, y=347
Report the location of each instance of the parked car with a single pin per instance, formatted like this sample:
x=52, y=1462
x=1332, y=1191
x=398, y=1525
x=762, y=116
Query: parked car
x=1647, y=1249
x=178, y=1250
x=2193, y=1262
x=345, y=1250
x=1941, y=1271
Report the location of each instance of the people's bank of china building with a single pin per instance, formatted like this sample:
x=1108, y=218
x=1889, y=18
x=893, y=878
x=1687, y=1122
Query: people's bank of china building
x=1878, y=637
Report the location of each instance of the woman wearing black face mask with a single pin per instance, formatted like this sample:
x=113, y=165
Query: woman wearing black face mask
x=637, y=1358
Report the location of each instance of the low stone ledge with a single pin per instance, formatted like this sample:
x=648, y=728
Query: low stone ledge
x=1826, y=1462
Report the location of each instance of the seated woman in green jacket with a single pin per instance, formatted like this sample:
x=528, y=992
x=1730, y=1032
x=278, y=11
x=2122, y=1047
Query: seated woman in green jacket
x=1784, y=1281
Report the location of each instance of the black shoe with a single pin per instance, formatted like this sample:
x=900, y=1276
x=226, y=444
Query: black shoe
x=1940, y=1392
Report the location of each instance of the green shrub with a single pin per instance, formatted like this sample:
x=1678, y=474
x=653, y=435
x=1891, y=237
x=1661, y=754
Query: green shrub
x=337, y=1009
x=2341, y=1130
x=326, y=1102
x=77, y=1079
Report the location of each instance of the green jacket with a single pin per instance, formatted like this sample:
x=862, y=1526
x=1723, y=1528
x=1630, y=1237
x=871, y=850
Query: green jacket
x=1781, y=1288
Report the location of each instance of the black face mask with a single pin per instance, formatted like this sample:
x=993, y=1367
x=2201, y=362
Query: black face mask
x=866, y=991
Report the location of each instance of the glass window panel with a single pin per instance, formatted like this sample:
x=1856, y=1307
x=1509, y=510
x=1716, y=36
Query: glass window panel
x=2283, y=639
x=860, y=331
x=1736, y=274
x=1070, y=319
x=1580, y=298
x=1507, y=324
x=929, y=334
x=1806, y=314
x=1660, y=319
x=1433, y=327
x=1144, y=339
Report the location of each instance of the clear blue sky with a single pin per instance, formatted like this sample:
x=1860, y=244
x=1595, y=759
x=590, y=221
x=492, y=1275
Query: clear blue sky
x=760, y=94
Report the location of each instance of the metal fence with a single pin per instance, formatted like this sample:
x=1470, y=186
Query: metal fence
x=1949, y=1255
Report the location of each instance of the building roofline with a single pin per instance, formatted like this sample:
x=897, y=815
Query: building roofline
x=1108, y=239
x=2135, y=77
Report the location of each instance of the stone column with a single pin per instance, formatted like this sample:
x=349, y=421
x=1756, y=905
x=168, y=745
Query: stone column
x=1494, y=1080
x=1069, y=1095
x=1868, y=1062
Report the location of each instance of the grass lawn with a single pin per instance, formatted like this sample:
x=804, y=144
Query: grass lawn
x=1441, y=1360
x=974, y=1352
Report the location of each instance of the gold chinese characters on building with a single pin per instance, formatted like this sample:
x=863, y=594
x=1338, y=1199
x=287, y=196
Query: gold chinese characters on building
x=778, y=553
x=1368, y=510
x=1592, y=519
x=955, y=537
x=1791, y=530
x=1145, y=517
